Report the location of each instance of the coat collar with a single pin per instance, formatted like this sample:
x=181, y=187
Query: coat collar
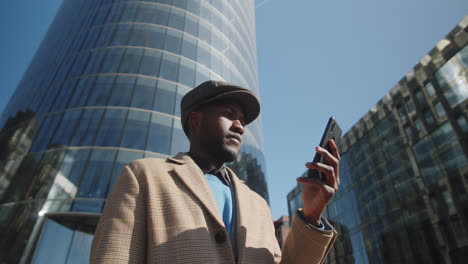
x=192, y=176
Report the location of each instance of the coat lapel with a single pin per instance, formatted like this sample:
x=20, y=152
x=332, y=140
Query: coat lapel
x=192, y=176
x=242, y=214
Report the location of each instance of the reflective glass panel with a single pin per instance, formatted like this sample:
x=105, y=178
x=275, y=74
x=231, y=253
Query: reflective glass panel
x=87, y=128
x=53, y=244
x=111, y=127
x=409, y=104
x=439, y=110
x=144, y=93
x=169, y=67
x=150, y=63
x=122, y=91
x=156, y=37
x=461, y=120
x=160, y=131
x=429, y=89
x=165, y=97
x=136, y=130
x=180, y=142
x=443, y=135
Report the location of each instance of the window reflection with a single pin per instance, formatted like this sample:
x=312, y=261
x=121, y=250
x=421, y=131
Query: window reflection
x=409, y=104
x=428, y=117
x=129, y=13
x=101, y=91
x=95, y=180
x=81, y=92
x=453, y=158
x=180, y=142
x=144, y=93
x=136, y=129
x=111, y=127
x=429, y=89
x=169, y=67
x=187, y=73
x=65, y=130
x=439, y=110
x=156, y=37
x=122, y=91
x=162, y=15
x=131, y=60
x=121, y=35
x=189, y=47
x=165, y=97
x=138, y=36
x=452, y=80
x=177, y=19
x=112, y=61
x=443, y=135
x=59, y=244
x=160, y=131
x=150, y=63
x=461, y=120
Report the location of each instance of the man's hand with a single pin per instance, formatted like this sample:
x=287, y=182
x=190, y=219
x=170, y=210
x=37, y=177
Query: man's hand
x=317, y=193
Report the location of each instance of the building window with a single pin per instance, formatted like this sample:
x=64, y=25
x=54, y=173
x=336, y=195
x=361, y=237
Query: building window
x=409, y=104
x=60, y=244
x=461, y=120
x=418, y=125
x=420, y=97
x=439, y=110
x=443, y=135
x=429, y=89
x=401, y=112
x=452, y=78
x=428, y=117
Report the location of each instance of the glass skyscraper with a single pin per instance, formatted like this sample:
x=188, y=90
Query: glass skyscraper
x=103, y=89
x=404, y=169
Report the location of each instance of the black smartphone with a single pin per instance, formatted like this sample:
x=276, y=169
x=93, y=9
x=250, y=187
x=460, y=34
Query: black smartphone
x=332, y=131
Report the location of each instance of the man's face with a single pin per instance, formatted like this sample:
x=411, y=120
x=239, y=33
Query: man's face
x=220, y=129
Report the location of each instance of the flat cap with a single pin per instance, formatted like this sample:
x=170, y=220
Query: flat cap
x=211, y=91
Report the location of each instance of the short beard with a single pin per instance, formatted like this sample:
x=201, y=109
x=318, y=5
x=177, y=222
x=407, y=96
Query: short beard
x=220, y=150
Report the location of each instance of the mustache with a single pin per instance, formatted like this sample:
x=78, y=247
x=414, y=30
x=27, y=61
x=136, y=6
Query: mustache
x=236, y=136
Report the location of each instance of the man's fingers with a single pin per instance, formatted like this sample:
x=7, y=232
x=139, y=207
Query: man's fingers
x=328, y=171
x=332, y=160
x=334, y=149
x=317, y=184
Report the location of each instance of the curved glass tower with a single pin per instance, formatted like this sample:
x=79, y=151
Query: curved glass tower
x=103, y=89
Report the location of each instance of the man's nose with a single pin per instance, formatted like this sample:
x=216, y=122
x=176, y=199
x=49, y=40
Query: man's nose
x=238, y=127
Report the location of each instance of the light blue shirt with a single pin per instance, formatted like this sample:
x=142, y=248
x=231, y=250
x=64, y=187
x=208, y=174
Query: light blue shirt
x=223, y=196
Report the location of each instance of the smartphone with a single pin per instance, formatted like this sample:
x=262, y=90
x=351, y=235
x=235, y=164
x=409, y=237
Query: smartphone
x=332, y=131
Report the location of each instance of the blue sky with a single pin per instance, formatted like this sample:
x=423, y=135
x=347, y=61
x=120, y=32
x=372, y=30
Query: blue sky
x=315, y=59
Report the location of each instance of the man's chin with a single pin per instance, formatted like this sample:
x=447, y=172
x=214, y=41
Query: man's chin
x=230, y=153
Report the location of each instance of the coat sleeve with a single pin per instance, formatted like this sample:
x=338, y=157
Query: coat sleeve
x=306, y=244
x=120, y=236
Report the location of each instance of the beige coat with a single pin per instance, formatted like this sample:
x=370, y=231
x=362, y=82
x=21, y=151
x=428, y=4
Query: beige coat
x=163, y=211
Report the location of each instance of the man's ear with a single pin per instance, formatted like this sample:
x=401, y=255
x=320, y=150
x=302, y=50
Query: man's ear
x=195, y=121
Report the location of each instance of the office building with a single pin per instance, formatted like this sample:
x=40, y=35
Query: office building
x=281, y=229
x=104, y=89
x=404, y=169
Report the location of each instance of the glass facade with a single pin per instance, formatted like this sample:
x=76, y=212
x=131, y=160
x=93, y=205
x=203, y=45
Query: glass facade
x=104, y=89
x=403, y=196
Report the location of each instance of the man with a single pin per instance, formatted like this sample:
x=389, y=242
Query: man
x=192, y=209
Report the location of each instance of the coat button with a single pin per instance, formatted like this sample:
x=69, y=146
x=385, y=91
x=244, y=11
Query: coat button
x=220, y=237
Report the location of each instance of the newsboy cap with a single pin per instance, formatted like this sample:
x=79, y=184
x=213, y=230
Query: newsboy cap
x=211, y=91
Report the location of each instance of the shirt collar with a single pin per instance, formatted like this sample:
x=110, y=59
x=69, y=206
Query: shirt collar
x=208, y=168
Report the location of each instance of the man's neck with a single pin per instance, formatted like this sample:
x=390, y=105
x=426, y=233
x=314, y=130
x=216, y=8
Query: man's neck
x=205, y=158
